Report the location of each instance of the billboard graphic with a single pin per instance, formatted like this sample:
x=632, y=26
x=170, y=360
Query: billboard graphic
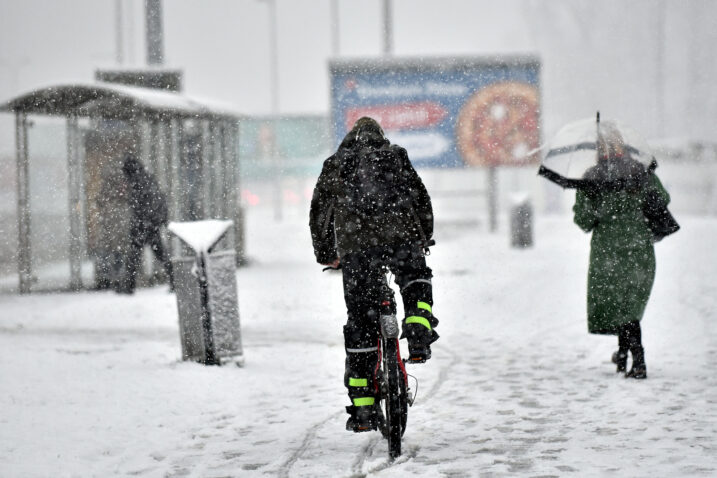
x=445, y=112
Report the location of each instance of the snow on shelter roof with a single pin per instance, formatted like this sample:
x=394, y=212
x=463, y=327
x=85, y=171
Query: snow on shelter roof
x=112, y=101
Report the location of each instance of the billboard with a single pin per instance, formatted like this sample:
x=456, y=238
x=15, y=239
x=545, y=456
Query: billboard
x=450, y=112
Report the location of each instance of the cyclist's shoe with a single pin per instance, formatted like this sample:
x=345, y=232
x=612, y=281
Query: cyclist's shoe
x=419, y=329
x=363, y=419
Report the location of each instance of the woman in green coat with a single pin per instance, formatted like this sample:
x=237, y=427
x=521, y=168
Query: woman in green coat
x=622, y=255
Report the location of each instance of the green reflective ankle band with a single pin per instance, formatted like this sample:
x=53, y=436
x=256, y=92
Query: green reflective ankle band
x=425, y=306
x=414, y=319
x=358, y=382
x=364, y=401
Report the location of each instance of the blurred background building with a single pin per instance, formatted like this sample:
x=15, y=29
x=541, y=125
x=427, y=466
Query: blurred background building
x=646, y=62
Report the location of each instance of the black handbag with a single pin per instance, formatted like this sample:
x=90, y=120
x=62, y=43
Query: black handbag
x=658, y=217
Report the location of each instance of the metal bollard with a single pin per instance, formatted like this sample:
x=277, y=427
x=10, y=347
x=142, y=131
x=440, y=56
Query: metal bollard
x=521, y=222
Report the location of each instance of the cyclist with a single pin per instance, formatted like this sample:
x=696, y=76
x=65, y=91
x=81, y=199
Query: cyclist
x=370, y=210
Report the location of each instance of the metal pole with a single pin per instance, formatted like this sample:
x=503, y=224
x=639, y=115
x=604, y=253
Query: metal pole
x=24, y=262
x=179, y=181
x=215, y=169
x=176, y=189
x=493, y=198
x=210, y=357
x=167, y=152
x=274, y=52
x=155, y=35
x=276, y=168
x=335, y=30
x=131, y=47
x=206, y=170
x=387, y=28
x=170, y=139
x=153, y=159
x=660, y=90
x=119, y=39
x=75, y=206
x=224, y=177
x=235, y=201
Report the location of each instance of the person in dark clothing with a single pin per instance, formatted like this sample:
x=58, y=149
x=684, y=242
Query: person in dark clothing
x=149, y=213
x=370, y=210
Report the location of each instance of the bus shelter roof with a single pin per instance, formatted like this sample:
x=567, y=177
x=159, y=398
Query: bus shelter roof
x=104, y=100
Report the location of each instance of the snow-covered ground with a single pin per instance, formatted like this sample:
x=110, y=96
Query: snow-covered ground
x=92, y=384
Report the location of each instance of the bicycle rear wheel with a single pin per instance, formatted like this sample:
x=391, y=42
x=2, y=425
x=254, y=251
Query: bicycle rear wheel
x=395, y=400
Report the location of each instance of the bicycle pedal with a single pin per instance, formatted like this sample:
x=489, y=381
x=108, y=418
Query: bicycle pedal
x=417, y=359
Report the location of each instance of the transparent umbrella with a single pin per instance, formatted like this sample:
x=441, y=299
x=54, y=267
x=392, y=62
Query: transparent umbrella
x=594, y=153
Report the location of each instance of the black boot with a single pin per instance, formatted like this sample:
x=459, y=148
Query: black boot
x=419, y=330
x=359, y=379
x=363, y=418
x=639, y=369
x=619, y=357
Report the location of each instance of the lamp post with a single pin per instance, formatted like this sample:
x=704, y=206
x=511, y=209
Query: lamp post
x=660, y=67
x=334, y=19
x=274, y=85
x=119, y=31
x=273, y=57
x=387, y=28
x=155, y=35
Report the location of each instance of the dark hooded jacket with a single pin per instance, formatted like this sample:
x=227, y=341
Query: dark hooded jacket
x=338, y=229
x=147, y=202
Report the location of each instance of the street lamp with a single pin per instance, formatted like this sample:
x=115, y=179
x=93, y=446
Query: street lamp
x=273, y=57
x=334, y=19
x=387, y=28
x=274, y=81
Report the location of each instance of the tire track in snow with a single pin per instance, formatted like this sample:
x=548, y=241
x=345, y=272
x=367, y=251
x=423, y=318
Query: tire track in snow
x=305, y=443
x=409, y=453
x=412, y=451
x=365, y=452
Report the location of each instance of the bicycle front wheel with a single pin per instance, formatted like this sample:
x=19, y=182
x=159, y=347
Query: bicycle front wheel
x=395, y=402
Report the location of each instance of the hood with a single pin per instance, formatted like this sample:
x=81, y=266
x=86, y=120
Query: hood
x=365, y=132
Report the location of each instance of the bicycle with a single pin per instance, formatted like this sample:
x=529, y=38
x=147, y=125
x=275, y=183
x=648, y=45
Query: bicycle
x=391, y=378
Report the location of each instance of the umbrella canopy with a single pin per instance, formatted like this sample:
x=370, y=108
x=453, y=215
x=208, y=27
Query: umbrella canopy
x=592, y=152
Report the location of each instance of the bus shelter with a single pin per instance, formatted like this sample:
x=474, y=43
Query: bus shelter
x=190, y=147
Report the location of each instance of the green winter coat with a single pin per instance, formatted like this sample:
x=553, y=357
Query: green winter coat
x=622, y=255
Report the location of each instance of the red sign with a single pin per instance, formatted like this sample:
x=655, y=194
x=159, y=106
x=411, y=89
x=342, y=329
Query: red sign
x=399, y=116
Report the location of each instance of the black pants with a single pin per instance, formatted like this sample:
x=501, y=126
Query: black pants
x=629, y=336
x=363, y=285
x=140, y=236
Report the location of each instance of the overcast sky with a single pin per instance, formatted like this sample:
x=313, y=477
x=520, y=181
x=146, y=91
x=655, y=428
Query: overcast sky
x=610, y=55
